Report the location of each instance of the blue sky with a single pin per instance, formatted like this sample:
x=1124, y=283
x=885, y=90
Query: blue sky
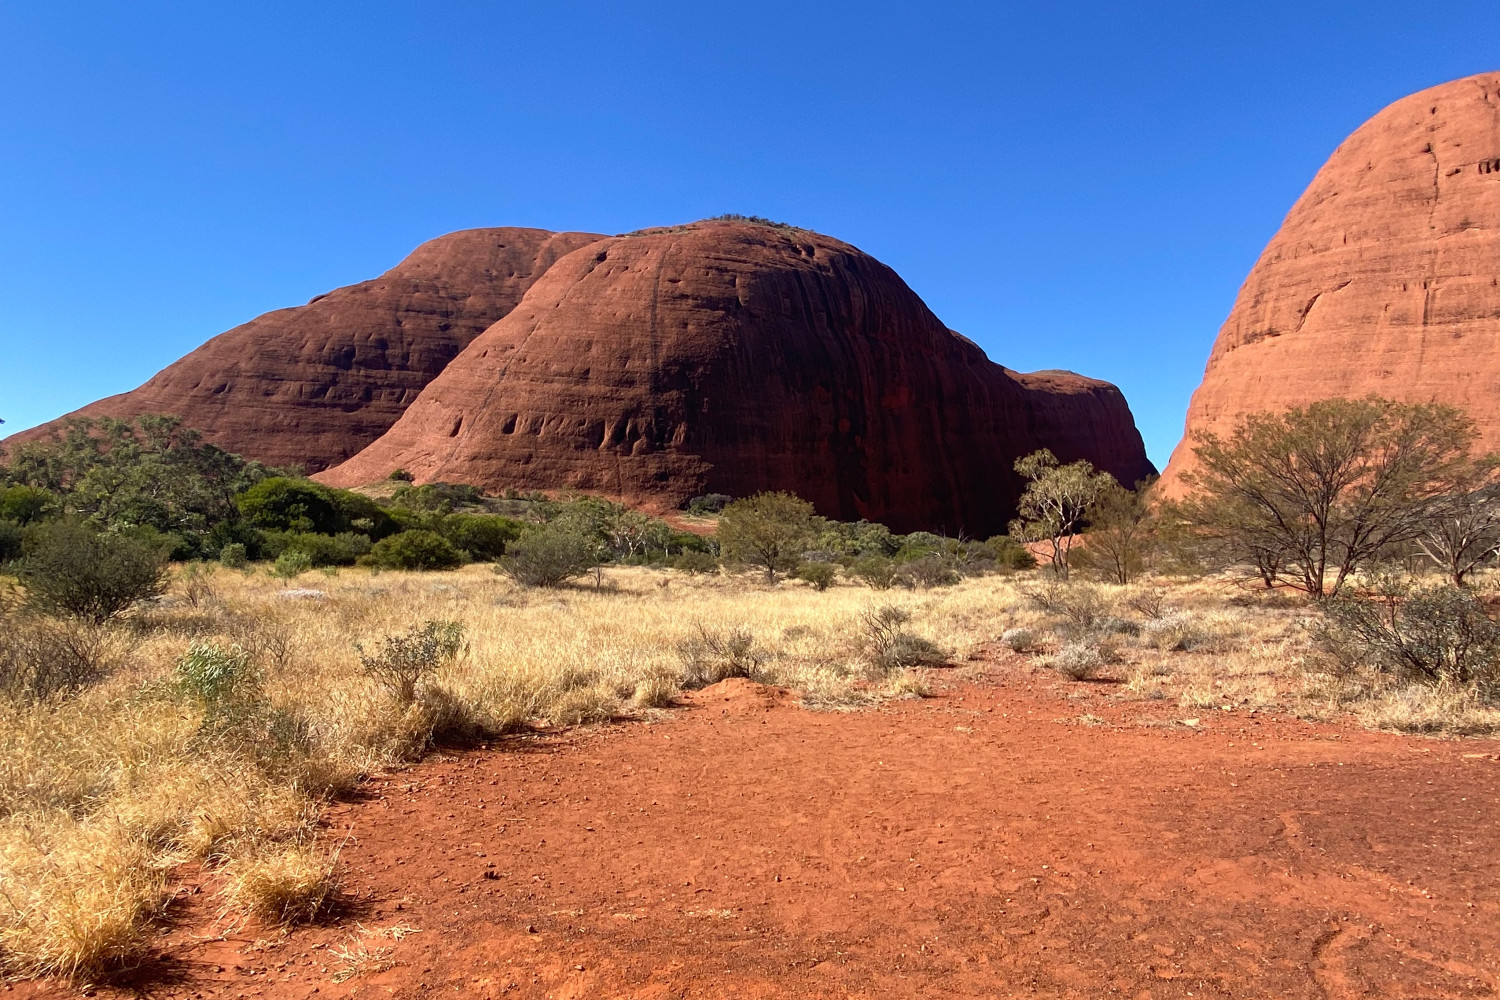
x=1074, y=186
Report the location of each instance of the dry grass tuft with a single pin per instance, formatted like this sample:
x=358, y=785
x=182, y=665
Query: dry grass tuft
x=286, y=885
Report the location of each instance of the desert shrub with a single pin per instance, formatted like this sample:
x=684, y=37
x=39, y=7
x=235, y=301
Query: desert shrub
x=197, y=584
x=401, y=661
x=400, y=476
x=291, y=564
x=1441, y=636
x=70, y=569
x=282, y=503
x=820, y=574
x=930, y=571
x=876, y=572
x=1010, y=554
x=709, y=503
x=889, y=646
x=213, y=675
x=483, y=536
x=710, y=656
x=1022, y=640
x=1148, y=602
x=1178, y=632
x=41, y=657
x=10, y=541
x=233, y=556
x=693, y=562
x=1078, y=660
x=418, y=550
x=1083, y=608
x=342, y=549
x=549, y=556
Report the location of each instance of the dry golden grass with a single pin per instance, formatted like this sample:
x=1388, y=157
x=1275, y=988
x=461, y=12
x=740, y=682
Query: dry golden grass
x=101, y=795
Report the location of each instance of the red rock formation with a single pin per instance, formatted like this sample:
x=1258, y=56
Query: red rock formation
x=732, y=358
x=1384, y=277
x=314, y=384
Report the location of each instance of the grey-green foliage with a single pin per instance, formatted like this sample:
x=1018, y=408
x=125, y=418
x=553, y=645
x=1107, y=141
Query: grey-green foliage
x=213, y=675
x=549, y=555
x=1437, y=636
x=400, y=661
x=1056, y=502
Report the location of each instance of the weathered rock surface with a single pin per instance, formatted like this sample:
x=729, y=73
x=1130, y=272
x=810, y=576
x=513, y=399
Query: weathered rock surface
x=1384, y=277
x=314, y=384
x=732, y=357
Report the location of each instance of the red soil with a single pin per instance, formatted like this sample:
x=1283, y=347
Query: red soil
x=984, y=842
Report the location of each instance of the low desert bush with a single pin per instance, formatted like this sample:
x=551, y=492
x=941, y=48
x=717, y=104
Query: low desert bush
x=876, y=572
x=889, y=646
x=11, y=538
x=41, y=657
x=1079, y=660
x=692, y=562
x=1148, y=602
x=930, y=571
x=234, y=556
x=820, y=574
x=1020, y=639
x=548, y=556
x=1441, y=636
x=70, y=569
x=291, y=564
x=401, y=661
x=709, y=655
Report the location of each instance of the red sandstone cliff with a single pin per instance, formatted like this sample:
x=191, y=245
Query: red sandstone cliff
x=1384, y=277
x=314, y=384
x=732, y=357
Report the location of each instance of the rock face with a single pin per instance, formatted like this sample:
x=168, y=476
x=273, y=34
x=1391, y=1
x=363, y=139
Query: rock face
x=314, y=384
x=734, y=357
x=1384, y=277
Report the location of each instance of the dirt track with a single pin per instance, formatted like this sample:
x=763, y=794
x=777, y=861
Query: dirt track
x=981, y=843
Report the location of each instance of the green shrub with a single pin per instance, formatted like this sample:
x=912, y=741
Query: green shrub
x=693, y=562
x=930, y=571
x=282, y=503
x=1010, y=554
x=877, y=572
x=709, y=503
x=26, y=504
x=483, y=536
x=400, y=476
x=549, y=556
x=420, y=550
x=214, y=675
x=233, y=556
x=402, y=660
x=820, y=574
x=70, y=569
x=291, y=564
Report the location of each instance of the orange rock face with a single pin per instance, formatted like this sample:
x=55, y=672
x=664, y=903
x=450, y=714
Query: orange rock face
x=1384, y=277
x=314, y=384
x=731, y=357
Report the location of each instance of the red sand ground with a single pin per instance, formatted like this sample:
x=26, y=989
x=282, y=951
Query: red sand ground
x=981, y=843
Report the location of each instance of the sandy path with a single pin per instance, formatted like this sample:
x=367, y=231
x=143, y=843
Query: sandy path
x=981, y=843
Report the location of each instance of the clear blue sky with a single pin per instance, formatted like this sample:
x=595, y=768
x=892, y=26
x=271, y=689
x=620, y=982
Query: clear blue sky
x=1074, y=186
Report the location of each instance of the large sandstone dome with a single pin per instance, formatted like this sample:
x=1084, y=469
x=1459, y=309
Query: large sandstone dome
x=314, y=384
x=1384, y=277
x=734, y=357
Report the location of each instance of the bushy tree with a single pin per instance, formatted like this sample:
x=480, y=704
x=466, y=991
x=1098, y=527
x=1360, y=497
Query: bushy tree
x=284, y=503
x=1121, y=532
x=1462, y=531
x=1056, y=502
x=768, y=530
x=549, y=555
x=150, y=471
x=419, y=550
x=1313, y=493
x=71, y=569
x=25, y=505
